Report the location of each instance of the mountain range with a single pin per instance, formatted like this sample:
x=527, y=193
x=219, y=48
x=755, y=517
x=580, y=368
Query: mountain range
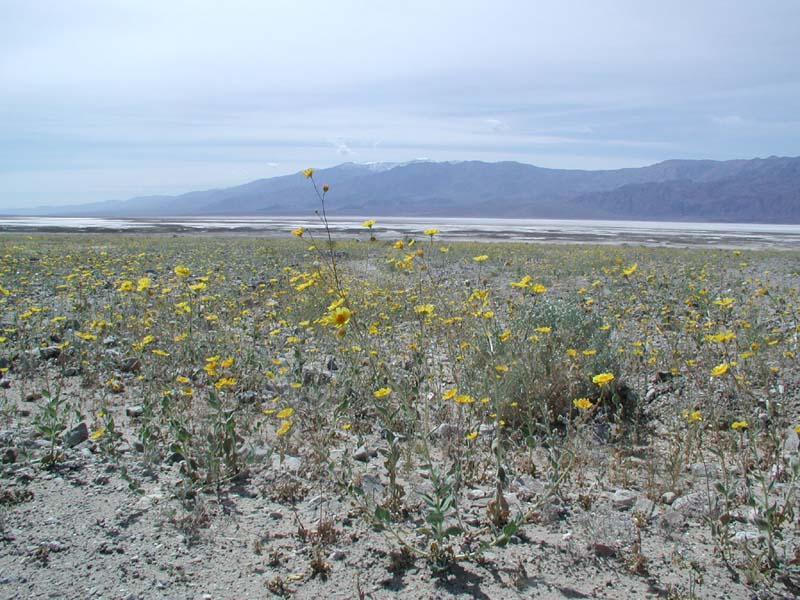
x=752, y=191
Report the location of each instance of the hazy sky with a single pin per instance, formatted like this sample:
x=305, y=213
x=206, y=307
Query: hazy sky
x=110, y=99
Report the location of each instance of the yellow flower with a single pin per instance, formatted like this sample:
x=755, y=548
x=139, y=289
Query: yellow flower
x=720, y=369
x=341, y=316
x=543, y=329
x=464, y=399
x=125, y=286
x=480, y=258
x=223, y=381
x=368, y=223
x=538, y=288
x=471, y=435
x=85, y=336
x=384, y=391
x=797, y=429
x=522, y=283
x=739, y=425
x=308, y=173
x=724, y=302
x=583, y=403
x=602, y=378
x=285, y=425
x=182, y=379
x=450, y=393
x=196, y=287
x=399, y=245
x=501, y=368
x=158, y=352
x=424, y=309
x=182, y=271
x=143, y=284
x=432, y=231
x=285, y=413
x=299, y=231
x=693, y=417
x=630, y=270
x=97, y=433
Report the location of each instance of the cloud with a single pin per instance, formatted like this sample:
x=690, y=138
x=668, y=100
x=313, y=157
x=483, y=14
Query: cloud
x=343, y=149
x=142, y=88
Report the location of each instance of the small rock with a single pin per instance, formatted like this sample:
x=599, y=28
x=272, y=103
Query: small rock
x=362, y=454
x=445, y=430
x=672, y=521
x=130, y=365
x=604, y=550
x=49, y=352
x=705, y=470
x=55, y=546
x=694, y=506
x=475, y=494
x=72, y=371
x=110, y=341
x=9, y=455
x=337, y=555
x=742, y=537
x=33, y=397
x=623, y=499
x=485, y=429
x=134, y=411
x=644, y=506
x=76, y=435
x=668, y=497
x=331, y=364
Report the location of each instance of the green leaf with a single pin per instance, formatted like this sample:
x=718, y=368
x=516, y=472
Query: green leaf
x=382, y=514
x=510, y=529
x=453, y=530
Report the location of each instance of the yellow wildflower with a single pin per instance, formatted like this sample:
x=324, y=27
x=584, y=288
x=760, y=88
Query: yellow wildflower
x=471, y=435
x=298, y=232
x=182, y=271
x=582, y=403
x=481, y=258
x=308, y=173
x=720, y=369
x=602, y=378
x=285, y=413
x=284, y=428
x=384, y=391
x=739, y=425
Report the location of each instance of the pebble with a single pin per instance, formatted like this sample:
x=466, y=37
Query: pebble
x=337, y=555
x=623, y=499
x=361, y=454
x=668, y=497
x=705, y=470
x=134, y=411
x=76, y=435
x=742, y=537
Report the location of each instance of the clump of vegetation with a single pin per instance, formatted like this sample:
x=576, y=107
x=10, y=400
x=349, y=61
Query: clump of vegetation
x=462, y=365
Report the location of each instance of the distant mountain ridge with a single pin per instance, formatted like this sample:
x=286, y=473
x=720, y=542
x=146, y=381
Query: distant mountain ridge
x=756, y=191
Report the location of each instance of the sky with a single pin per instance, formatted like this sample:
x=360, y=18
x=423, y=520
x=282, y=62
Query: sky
x=112, y=99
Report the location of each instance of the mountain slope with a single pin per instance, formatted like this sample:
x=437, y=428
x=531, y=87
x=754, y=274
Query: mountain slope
x=757, y=190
